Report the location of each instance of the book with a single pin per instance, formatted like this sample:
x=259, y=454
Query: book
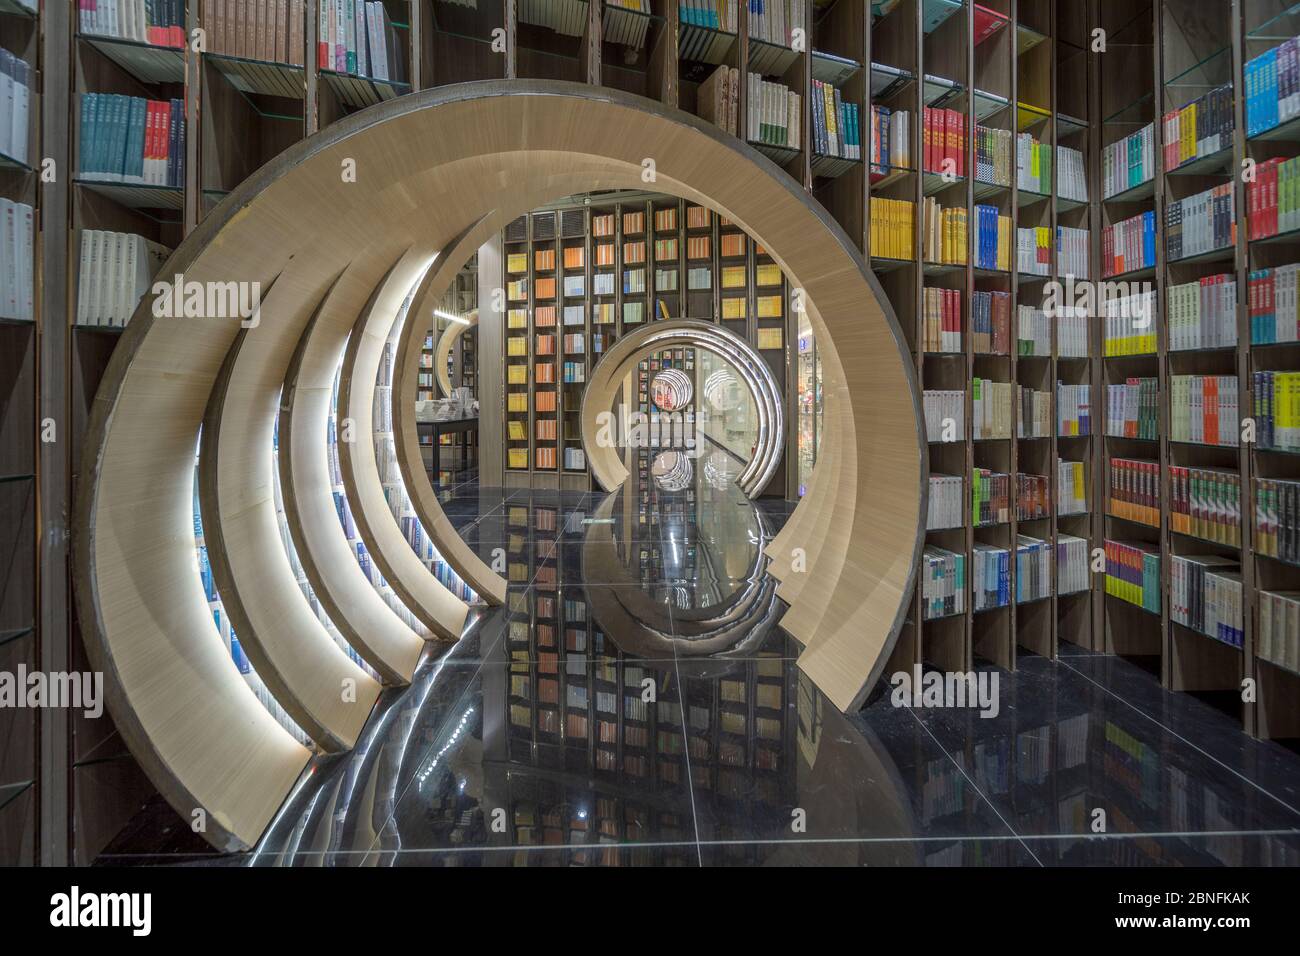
x=17, y=257
x=15, y=106
x=127, y=139
x=115, y=271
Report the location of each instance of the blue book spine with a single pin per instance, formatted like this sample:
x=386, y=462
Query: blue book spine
x=86, y=158
x=135, y=141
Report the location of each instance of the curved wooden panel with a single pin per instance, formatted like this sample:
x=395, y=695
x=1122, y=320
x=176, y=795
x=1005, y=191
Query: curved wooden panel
x=442, y=352
x=427, y=166
x=325, y=693
x=443, y=612
x=382, y=639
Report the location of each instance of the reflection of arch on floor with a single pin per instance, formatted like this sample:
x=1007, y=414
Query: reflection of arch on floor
x=426, y=167
x=442, y=350
x=621, y=359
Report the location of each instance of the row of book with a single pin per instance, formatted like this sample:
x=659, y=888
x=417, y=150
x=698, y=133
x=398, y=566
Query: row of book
x=629, y=31
x=993, y=155
x=1134, y=490
x=1279, y=629
x=566, y=17
x=1277, y=519
x=991, y=322
x=17, y=258
x=944, y=147
x=1033, y=569
x=990, y=577
x=1128, y=162
x=719, y=98
x=128, y=139
x=945, y=414
x=1130, y=324
x=1273, y=305
x=943, y=233
x=1205, y=595
x=358, y=38
x=944, y=505
x=1201, y=128
x=943, y=583
x=1073, y=410
x=891, y=228
x=773, y=110
x=1203, y=409
x=15, y=105
x=773, y=21
x=1203, y=314
x=1273, y=199
x=1205, y=503
x=992, y=239
x=156, y=22
x=116, y=270
x=1033, y=165
x=1202, y=223
x=1072, y=573
x=1072, y=251
x=1071, y=487
x=1035, y=417
x=891, y=141
x=1277, y=410
x=1071, y=178
x=1273, y=87
x=941, y=320
x=836, y=130
x=271, y=32
x=1129, y=245
x=1133, y=573
x=1033, y=497
x=990, y=409
x=990, y=497
x=714, y=14
x=1034, y=250
x=1133, y=408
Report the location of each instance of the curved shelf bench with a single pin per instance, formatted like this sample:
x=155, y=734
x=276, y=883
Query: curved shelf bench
x=427, y=167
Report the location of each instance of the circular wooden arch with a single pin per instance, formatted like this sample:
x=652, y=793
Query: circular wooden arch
x=622, y=357
x=442, y=350
x=329, y=223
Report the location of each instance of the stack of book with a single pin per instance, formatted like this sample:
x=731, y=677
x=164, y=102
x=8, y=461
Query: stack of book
x=943, y=236
x=1277, y=519
x=891, y=228
x=1202, y=223
x=116, y=269
x=1273, y=305
x=943, y=584
x=16, y=261
x=1129, y=245
x=15, y=105
x=993, y=156
x=1273, y=87
x=942, y=322
x=1205, y=595
x=1205, y=503
x=1073, y=410
x=1033, y=165
x=270, y=32
x=719, y=98
x=990, y=577
x=992, y=239
x=1277, y=410
x=1129, y=322
x=891, y=141
x=1070, y=488
x=944, y=149
x=835, y=127
x=773, y=113
x=1135, y=490
x=1128, y=162
x=991, y=322
x=1132, y=409
x=1279, y=628
x=1033, y=569
x=1203, y=314
x=1071, y=564
x=944, y=414
x=156, y=22
x=945, y=502
x=363, y=44
x=990, y=409
x=1271, y=198
x=1201, y=128
x=1203, y=409
x=1133, y=573
x=126, y=139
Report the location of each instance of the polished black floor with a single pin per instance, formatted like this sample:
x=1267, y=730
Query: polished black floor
x=635, y=702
